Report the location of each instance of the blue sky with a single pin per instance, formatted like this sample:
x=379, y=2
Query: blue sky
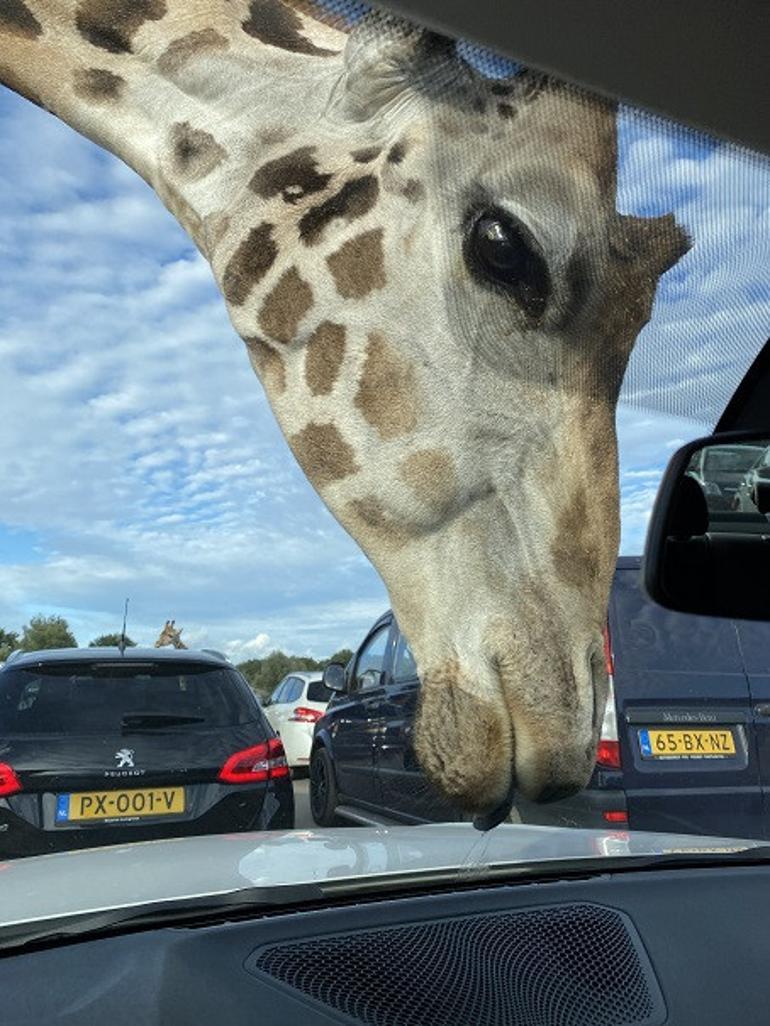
x=140, y=457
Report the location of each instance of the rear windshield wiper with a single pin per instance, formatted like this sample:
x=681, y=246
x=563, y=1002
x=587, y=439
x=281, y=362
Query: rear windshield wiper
x=154, y=720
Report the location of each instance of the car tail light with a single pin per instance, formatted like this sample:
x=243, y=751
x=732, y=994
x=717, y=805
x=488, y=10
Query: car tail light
x=615, y=816
x=9, y=782
x=304, y=715
x=608, y=752
x=262, y=762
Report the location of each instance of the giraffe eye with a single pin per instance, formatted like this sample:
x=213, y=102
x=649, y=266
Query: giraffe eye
x=500, y=250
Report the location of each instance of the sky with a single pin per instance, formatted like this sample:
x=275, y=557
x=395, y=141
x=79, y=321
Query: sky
x=140, y=458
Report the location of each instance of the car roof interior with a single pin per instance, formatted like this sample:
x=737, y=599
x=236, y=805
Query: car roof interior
x=711, y=71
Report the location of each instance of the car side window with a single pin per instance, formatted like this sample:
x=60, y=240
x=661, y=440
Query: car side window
x=371, y=660
x=293, y=689
x=404, y=666
x=277, y=695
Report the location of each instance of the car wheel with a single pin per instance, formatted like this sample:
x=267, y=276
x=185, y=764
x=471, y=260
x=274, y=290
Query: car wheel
x=323, y=790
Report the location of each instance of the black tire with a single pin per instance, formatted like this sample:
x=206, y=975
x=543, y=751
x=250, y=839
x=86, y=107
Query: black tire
x=323, y=789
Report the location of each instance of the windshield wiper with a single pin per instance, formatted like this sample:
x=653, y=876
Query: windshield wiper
x=150, y=720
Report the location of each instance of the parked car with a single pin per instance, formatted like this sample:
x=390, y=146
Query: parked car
x=293, y=710
x=685, y=743
x=743, y=499
x=720, y=469
x=100, y=747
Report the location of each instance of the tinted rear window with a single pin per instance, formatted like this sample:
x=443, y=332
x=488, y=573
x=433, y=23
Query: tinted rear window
x=88, y=698
x=318, y=692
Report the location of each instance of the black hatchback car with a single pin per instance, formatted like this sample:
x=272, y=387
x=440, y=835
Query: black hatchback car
x=685, y=741
x=99, y=747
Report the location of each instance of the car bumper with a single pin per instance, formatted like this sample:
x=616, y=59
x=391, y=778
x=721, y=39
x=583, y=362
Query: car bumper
x=263, y=808
x=587, y=809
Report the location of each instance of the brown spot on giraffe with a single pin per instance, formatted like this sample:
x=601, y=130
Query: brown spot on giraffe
x=181, y=50
x=111, y=24
x=269, y=365
x=215, y=228
x=414, y=190
x=274, y=23
x=285, y=306
x=323, y=454
x=358, y=266
x=194, y=153
x=387, y=391
x=396, y=153
x=17, y=20
x=323, y=357
x=370, y=515
x=249, y=263
x=354, y=199
x=366, y=154
x=294, y=175
x=431, y=475
x=98, y=84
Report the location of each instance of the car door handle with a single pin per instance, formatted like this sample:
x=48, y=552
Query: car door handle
x=762, y=710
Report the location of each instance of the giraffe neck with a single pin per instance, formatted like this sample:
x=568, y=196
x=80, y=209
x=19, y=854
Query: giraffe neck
x=190, y=94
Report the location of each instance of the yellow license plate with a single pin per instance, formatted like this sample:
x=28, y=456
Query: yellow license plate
x=687, y=744
x=132, y=804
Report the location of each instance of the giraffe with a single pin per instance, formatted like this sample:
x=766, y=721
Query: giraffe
x=439, y=297
x=170, y=635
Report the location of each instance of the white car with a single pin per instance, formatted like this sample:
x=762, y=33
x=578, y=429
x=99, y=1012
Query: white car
x=293, y=710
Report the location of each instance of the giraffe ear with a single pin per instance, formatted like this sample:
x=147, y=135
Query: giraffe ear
x=381, y=57
x=654, y=244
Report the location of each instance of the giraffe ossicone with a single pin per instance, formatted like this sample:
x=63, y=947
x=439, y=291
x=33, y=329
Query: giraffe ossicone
x=440, y=299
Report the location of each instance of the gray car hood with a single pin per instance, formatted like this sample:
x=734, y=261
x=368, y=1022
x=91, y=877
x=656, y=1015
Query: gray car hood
x=44, y=888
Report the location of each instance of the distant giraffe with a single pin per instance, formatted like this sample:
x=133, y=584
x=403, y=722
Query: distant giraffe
x=440, y=298
x=170, y=635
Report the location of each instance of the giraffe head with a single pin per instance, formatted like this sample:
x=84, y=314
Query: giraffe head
x=440, y=299
x=170, y=635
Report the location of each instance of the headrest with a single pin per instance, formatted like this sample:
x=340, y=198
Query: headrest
x=689, y=511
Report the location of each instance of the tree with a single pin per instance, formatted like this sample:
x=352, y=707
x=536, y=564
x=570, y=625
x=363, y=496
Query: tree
x=264, y=674
x=110, y=641
x=9, y=640
x=343, y=656
x=47, y=632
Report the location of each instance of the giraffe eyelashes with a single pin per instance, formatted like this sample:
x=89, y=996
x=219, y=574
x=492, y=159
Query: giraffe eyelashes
x=499, y=250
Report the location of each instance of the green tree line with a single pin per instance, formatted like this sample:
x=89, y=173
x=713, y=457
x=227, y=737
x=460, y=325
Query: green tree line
x=44, y=632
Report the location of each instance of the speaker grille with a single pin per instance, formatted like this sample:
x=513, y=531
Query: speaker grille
x=569, y=965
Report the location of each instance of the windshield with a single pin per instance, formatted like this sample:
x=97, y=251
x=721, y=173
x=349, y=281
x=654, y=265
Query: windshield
x=348, y=346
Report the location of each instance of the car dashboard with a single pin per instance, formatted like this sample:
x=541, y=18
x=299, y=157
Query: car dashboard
x=680, y=946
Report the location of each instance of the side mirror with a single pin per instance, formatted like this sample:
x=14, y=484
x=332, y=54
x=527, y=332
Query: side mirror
x=704, y=554
x=334, y=677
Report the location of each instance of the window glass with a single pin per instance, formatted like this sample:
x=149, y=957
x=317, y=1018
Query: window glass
x=277, y=695
x=294, y=687
x=371, y=661
x=71, y=698
x=404, y=666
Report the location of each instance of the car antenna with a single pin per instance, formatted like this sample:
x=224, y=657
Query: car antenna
x=122, y=642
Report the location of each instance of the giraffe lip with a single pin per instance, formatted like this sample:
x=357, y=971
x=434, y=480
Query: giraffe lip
x=485, y=821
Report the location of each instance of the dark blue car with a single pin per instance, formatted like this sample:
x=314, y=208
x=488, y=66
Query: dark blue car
x=685, y=742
